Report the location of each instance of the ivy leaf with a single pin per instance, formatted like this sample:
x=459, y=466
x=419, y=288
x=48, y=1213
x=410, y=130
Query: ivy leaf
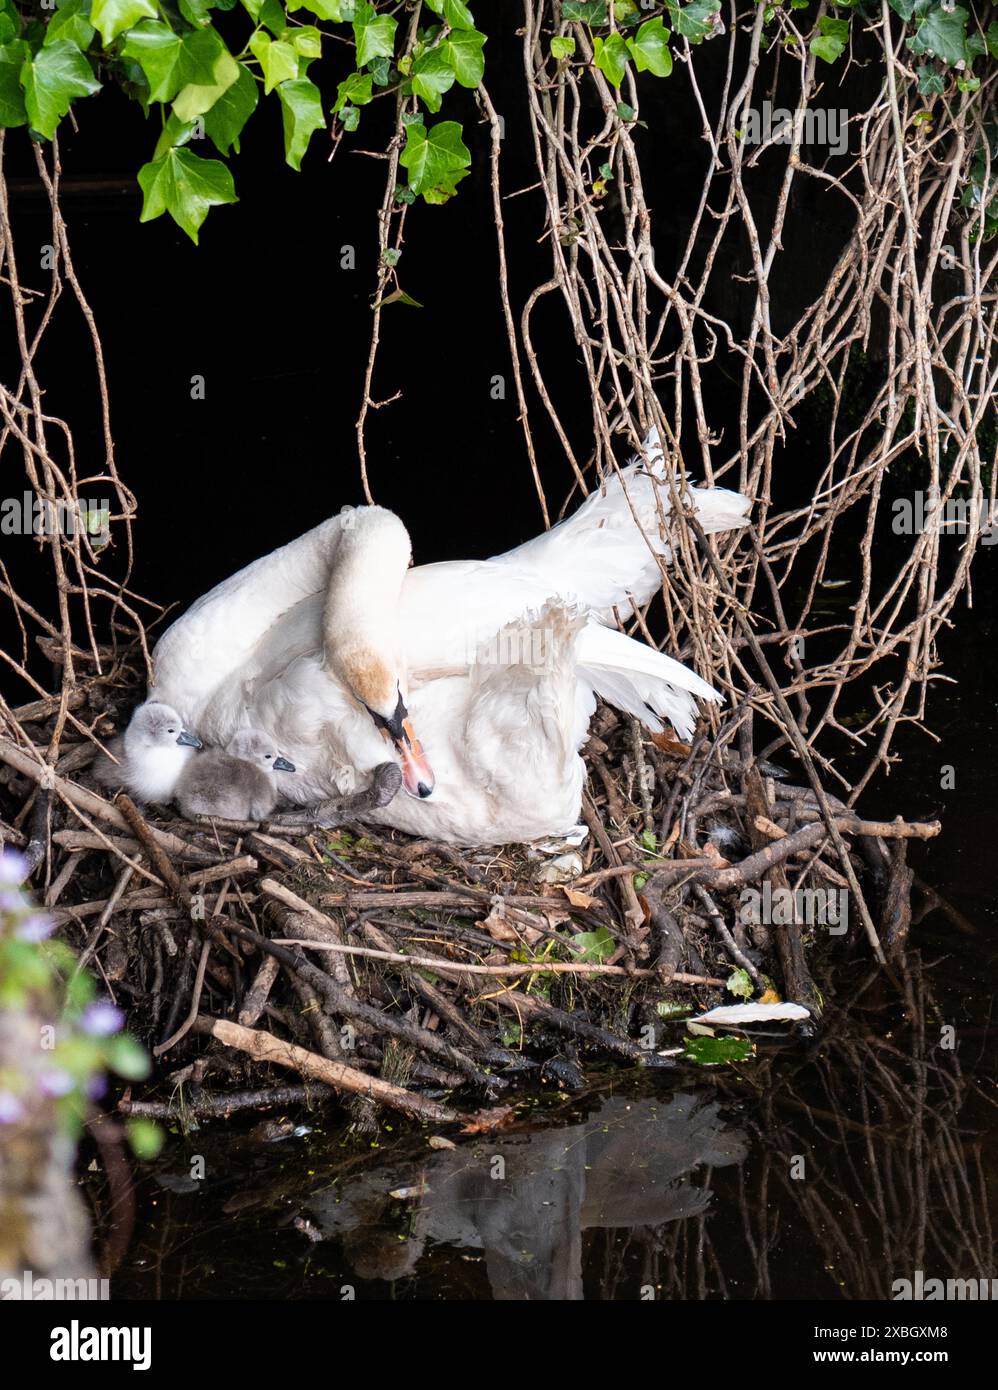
x=278, y=60
x=374, y=33
x=213, y=70
x=224, y=122
x=306, y=41
x=650, y=48
x=336, y=10
x=930, y=82
x=301, y=110
x=830, y=43
x=112, y=17
x=991, y=38
x=350, y=116
x=464, y=49
x=693, y=21
x=357, y=88
x=457, y=14
x=436, y=159
x=174, y=134
x=51, y=78
x=72, y=23
x=562, y=47
x=12, y=108
x=596, y=945
x=432, y=75
x=943, y=33
x=592, y=12
x=159, y=53
x=185, y=186
x=610, y=55
x=10, y=24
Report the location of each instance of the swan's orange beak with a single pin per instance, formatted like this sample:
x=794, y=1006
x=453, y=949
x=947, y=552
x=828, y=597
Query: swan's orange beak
x=417, y=775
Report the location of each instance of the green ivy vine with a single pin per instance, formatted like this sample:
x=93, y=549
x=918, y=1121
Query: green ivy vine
x=170, y=56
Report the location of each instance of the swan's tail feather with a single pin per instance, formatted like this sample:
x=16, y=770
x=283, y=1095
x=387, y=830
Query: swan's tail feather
x=641, y=681
x=600, y=557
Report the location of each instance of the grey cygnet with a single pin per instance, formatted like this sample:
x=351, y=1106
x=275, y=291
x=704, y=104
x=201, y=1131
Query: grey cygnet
x=238, y=783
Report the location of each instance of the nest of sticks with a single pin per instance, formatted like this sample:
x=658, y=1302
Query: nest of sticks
x=263, y=965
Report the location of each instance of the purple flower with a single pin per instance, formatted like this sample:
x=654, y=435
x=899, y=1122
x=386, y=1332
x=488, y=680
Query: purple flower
x=101, y=1019
x=56, y=1082
x=97, y=1087
x=11, y=900
x=13, y=868
x=35, y=927
x=11, y=1109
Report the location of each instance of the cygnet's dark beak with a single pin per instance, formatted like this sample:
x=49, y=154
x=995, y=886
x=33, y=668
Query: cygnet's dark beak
x=282, y=765
x=189, y=740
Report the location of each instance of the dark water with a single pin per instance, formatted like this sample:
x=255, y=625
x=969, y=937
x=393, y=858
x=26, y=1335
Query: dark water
x=826, y=1170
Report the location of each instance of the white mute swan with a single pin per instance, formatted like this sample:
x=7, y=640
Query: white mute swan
x=340, y=652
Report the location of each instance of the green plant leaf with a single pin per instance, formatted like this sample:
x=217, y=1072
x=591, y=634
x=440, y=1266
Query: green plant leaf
x=457, y=15
x=436, y=159
x=374, y=33
x=930, y=82
x=159, y=52
x=611, y=56
x=336, y=10
x=112, y=17
x=693, y=21
x=709, y=1052
x=432, y=75
x=306, y=41
x=739, y=983
x=12, y=108
x=356, y=88
x=278, y=60
x=464, y=49
x=223, y=122
x=212, y=72
x=596, y=946
x=185, y=186
x=562, y=47
x=301, y=110
x=71, y=22
x=51, y=78
x=649, y=48
x=592, y=12
x=127, y=1057
x=830, y=42
x=144, y=1136
x=942, y=33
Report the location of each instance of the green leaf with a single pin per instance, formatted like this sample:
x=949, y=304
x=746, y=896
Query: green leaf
x=693, y=21
x=592, y=12
x=464, y=49
x=457, y=15
x=10, y=22
x=562, y=47
x=374, y=33
x=356, y=89
x=159, y=53
x=174, y=134
x=51, y=79
x=436, y=159
x=186, y=187
x=336, y=10
x=12, y=108
x=72, y=23
x=306, y=41
x=649, y=48
x=930, y=82
x=596, y=946
x=625, y=112
x=708, y=1052
x=350, y=117
x=145, y=1137
x=112, y=17
x=278, y=60
x=739, y=983
x=432, y=75
x=224, y=122
x=301, y=109
x=610, y=55
x=830, y=43
x=942, y=33
x=212, y=71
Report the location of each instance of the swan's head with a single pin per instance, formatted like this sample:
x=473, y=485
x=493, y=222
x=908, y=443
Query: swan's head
x=378, y=689
x=252, y=746
x=157, y=726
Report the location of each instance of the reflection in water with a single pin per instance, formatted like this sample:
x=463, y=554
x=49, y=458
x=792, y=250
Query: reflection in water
x=525, y=1201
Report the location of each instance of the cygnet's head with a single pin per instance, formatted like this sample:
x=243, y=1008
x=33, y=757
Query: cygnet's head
x=155, y=725
x=252, y=746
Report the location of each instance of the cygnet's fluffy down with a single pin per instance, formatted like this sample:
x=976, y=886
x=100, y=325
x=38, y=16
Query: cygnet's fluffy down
x=151, y=754
x=238, y=783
